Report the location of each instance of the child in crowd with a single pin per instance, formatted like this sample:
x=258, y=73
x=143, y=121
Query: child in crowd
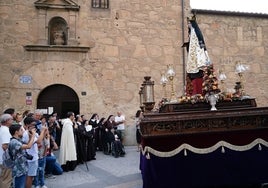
x=18, y=154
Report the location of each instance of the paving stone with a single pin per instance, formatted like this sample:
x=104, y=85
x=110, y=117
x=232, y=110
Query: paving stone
x=104, y=172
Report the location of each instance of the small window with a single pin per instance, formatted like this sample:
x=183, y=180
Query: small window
x=100, y=4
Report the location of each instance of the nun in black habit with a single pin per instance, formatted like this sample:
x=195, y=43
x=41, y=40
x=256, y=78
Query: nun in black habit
x=80, y=140
x=94, y=120
x=89, y=145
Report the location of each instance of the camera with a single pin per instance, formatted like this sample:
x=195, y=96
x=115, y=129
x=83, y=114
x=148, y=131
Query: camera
x=28, y=156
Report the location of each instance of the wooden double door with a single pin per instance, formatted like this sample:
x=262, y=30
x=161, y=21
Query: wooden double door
x=61, y=98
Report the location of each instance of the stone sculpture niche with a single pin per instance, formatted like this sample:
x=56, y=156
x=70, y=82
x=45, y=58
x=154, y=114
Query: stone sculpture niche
x=58, y=31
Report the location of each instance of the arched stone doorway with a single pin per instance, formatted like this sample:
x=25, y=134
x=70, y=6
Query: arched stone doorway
x=61, y=97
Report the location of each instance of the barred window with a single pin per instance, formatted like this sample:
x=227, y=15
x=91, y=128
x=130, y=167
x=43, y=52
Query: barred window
x=100, y=4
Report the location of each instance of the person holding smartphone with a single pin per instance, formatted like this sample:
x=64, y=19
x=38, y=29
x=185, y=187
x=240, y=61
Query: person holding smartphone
x=18, y=153
x=30, y=124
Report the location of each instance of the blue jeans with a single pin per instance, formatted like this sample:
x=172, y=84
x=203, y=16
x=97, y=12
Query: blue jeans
x=39, y=179
x=52, y=166
x=50, y=161
x=19, y=182
x=54, y=134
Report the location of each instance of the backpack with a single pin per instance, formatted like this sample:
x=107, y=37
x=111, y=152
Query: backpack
x=8, y=161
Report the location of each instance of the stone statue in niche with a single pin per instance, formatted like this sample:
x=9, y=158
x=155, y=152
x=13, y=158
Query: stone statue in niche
x=58, y=37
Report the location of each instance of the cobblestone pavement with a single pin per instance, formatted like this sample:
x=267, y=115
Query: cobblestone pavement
x=104, y=172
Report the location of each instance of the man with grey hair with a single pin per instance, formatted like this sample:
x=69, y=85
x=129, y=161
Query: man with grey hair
x=37, y=116
x=5, y=173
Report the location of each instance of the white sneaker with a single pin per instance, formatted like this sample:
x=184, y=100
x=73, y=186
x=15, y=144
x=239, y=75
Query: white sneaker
x=50, y=176
x=44, y=186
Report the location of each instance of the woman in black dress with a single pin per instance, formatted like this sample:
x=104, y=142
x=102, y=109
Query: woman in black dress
x=108, y=134
x=101, y=133
x=90, y=148
x=138, y=118
x=94, y=120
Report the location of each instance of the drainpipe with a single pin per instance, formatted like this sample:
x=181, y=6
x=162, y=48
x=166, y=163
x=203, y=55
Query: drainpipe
x=183, y=50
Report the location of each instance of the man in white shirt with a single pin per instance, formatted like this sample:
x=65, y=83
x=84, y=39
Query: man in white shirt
x=120, y=122
x=5, y=173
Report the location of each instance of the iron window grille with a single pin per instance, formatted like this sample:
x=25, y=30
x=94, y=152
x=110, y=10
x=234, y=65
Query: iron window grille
x=104, y=4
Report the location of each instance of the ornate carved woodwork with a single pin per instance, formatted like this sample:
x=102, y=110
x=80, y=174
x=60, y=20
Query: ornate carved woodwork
x=174, y=121
x=182, y=107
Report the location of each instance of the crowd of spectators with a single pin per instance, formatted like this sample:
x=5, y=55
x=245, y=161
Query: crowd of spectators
x=31, y=138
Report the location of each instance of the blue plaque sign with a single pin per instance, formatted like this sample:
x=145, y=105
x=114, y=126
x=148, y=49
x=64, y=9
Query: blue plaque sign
x=25, y=79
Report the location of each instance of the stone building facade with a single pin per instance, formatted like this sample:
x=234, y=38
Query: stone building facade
x=68, y=55
x=238, y=37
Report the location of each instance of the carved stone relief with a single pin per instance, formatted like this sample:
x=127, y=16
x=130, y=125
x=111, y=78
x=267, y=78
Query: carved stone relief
x=53, y=28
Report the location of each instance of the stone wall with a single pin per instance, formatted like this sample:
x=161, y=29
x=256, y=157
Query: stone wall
x=231, y=38
x=130, y=40
x=126, y=42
